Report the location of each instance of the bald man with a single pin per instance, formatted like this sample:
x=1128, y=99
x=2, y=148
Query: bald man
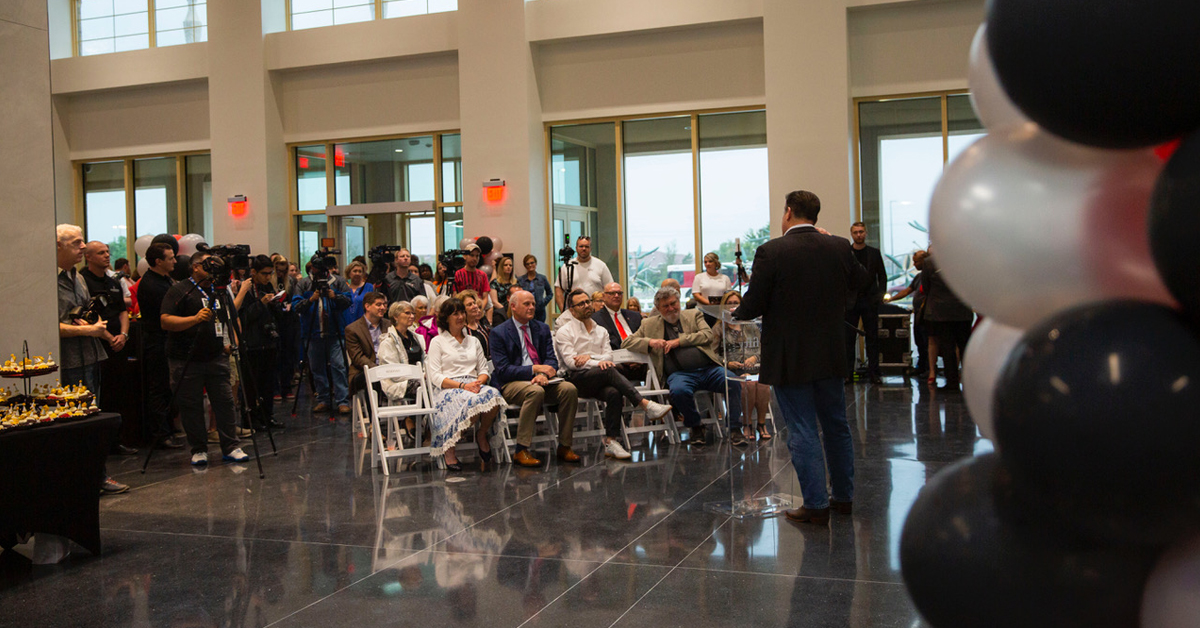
x=619, y=323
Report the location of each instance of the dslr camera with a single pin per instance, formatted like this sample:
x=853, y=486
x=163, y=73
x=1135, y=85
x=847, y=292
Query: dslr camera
x=323, y=262
x=91, y=312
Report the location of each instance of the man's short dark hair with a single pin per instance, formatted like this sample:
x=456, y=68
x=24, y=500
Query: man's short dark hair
x=448, y=309
x=259, y=263
x=858, y=224
x=157, y=251
x=582, y=238
x=576, y=291
x=371, y=297
x=804, y=204
x=120, y=263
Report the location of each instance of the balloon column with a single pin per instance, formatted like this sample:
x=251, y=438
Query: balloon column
x=184, y=246
x=490, y=250
x=1064, y=227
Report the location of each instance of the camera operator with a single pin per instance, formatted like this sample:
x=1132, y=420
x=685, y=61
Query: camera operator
x=199, y=362
x=260, y=312
x=590, y=274
x=101, y=284
x=402, y=283
x=320, y=299
x=80, y=350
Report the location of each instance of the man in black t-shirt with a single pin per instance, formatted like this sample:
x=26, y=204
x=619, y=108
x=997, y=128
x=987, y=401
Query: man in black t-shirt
x=199, y=363
x=865, y=303
x=99, y=283
x=151, y=289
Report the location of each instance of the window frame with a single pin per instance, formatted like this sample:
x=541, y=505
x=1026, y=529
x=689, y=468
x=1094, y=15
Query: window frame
x=377, y=14
x=151, y=23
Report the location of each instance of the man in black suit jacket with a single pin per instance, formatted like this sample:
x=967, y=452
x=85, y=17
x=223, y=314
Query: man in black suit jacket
x=865, y=302
x=799, y=287
x=614, y=319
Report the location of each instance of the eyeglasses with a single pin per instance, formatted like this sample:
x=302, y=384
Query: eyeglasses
x=581, y=304
x=614, y=293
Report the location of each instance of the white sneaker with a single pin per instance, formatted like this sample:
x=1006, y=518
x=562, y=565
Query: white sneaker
x=237, y=455
x=613, y=449
x=655, y=410
x=200, y=459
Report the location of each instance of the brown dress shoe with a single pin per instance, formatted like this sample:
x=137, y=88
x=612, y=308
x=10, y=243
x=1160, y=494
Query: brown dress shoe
x=842, y=508
x=566, y=455
x=526, y=459
x=819, y=516
x=343, y=409
x=321, y=407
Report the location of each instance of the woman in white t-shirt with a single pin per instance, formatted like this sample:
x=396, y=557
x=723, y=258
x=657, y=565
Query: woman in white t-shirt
x=708, y=287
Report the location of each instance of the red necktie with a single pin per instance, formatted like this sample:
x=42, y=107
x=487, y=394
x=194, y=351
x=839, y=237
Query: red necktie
x=620, y=326
x=533, y=354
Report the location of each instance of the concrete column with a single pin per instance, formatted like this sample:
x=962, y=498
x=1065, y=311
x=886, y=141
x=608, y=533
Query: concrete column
x=501, y=126
x=248, y=153
x=27, y=262
x=805, y=45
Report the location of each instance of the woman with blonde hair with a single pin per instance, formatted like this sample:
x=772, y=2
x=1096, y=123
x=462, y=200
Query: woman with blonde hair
x=741, y=350
x=503, y=282
x=477, y=323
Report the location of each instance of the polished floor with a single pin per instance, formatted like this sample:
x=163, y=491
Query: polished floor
x=326, y=541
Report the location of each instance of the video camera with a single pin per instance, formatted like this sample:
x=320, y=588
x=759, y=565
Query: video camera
x=323, y=262
x=381, y=258
x=566, y=253
x=223, y=260
x=91, y=312
x=453, y=259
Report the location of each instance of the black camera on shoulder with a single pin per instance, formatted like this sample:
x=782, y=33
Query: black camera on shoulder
x=223, y=260
x=323, y=263
x=91, y=312
x=381, y=258
x=453, y=259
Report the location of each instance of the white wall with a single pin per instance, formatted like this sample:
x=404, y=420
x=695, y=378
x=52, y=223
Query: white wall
x=688, y=68
x=913, y=47
x=136, y=121
x=413, y=94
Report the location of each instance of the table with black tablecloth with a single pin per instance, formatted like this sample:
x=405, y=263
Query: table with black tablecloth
x=50, y=479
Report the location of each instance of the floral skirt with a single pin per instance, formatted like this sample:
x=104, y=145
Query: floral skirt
x=454, y=408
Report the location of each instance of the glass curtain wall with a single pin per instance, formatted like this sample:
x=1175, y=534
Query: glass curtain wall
x=198, y=195
x=180, y=22
x=317, y=13
x=104, y=206
x=155, y=196
x=735, y=202
x=904, y=145
x=450, y=205
x=583, y=183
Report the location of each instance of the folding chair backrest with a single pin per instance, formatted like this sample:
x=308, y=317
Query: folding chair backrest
x=627, y=356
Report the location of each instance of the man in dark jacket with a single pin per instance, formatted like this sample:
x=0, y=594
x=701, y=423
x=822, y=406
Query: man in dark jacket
x=865, y=302
x=260, y=311
x=799, y=287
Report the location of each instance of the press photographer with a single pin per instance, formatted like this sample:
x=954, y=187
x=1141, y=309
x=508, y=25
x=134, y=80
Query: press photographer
x=381, y=258
x=108, y=301
x=198, y=358
x=320, y=299
x=260, y=309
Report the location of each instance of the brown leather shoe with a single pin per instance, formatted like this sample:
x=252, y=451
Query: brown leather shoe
x=343, y=409
x=841, y=508
x=805, y=515
x=526, y=459
x=321, y=407
x=566, y=455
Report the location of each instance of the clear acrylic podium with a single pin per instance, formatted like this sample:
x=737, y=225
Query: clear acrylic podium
x=740, y=348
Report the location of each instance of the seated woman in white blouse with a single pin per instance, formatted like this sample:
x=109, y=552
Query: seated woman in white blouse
x=585, y=352
x=401, y=346
x=457, y=368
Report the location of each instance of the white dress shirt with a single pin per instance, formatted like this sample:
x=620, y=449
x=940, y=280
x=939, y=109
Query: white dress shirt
x=448, y=358
x=573, y=339
x=589, y=277
x=619, y=320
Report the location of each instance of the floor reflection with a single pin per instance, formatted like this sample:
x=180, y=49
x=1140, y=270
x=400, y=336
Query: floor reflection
x=327, y=539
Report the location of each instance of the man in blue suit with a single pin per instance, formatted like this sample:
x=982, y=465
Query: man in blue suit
x=524, y=361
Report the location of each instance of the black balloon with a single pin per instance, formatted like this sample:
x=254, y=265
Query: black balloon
x=167, y=239
x=1174, y=222
x=183, y=268
x=965, y=566
x=1096, y=415
x=485, y=245
x=1108, y=73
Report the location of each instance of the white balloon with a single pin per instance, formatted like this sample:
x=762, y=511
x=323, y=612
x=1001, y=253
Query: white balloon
x=187, y=244
x=987, y=353
x=141, y=244
x=465, y=241
x=1025, y=225
x=497, y=244
x=143, y=267
x=988, y=98
x=1172, y=595
x=487, y=269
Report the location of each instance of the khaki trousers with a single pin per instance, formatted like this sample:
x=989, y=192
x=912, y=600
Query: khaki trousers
x=531, y=397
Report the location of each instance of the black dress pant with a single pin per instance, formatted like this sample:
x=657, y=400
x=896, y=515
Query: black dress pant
x=260, y=365
x=611, y=387
x=869, y=314
x=952, y=337
x=156, y=379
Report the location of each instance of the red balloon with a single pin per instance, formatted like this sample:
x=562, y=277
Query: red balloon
x=177, y=236
x=1165, y=151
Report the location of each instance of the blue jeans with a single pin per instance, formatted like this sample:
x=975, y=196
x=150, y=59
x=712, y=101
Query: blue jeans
x=322, y=351
x=684, y=384
x=87, y=375
x=803, y=407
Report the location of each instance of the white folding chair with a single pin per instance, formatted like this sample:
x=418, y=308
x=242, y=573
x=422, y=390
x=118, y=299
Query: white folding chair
x=421, y=409
x=590, y=410
x=710, y=405
x=651, y=388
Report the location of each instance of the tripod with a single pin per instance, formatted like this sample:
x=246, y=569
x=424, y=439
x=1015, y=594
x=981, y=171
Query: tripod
x=326, y=305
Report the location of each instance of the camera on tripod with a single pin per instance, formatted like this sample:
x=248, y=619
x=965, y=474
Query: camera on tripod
x=223, y=259
x=453, y=259
x=323, y=264
x=381, y=258
x=566, y=253
x=91, y=312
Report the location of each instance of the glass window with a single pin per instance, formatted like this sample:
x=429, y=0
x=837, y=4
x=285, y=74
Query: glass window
x=452, y=227
x=384, y=171
x=104, y=205
x=405, y=8
x=734, y=192
x=660, y=222
x=155, y=196
x=314, y=13
x=112, y=26
x=422, y=237
x=452, y=168
x=962, y=124
x=583, y=188
x=198, y=195
x=309, y=231
x=311, y=193
x=180, y=22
